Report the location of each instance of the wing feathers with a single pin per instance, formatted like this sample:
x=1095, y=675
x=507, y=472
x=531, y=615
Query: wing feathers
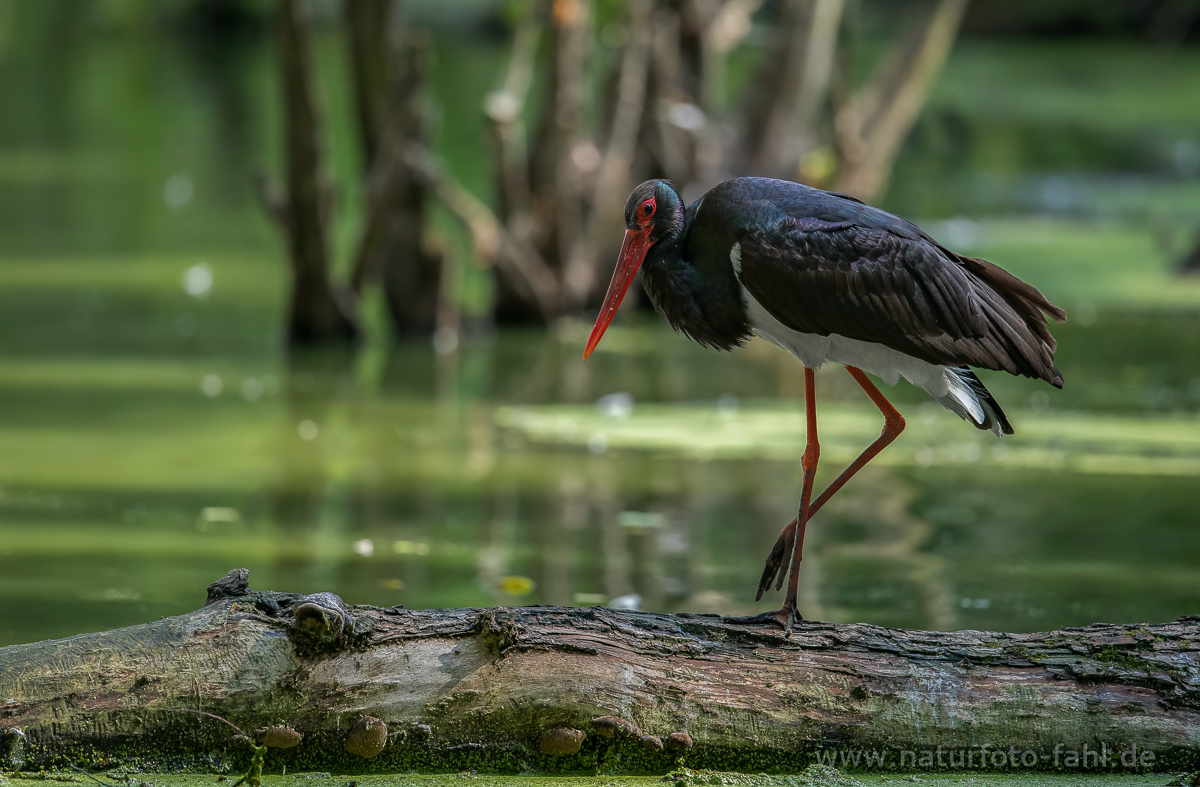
x=910, y=294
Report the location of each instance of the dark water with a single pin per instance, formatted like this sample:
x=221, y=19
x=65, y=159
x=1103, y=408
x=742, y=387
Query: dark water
x=153, y=435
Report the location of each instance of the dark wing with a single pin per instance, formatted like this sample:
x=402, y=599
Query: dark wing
x=898, y=287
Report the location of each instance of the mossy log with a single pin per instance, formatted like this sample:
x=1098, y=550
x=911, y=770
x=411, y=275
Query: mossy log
x=559, y=689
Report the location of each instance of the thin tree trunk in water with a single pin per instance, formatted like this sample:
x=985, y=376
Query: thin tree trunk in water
x=694, y=18
x=412, y=272
x=563, y=154
x=796, y=81
x=606, y=220
x=542, y=202
x=368, y=27
x=670, y=144
x=389, y=82
x=729, y=26
x=315, y=315
x=560, y=689
x=519, y=298
x=872, y=125
x=505, y=107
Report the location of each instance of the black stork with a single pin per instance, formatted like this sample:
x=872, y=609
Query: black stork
x=830, y=279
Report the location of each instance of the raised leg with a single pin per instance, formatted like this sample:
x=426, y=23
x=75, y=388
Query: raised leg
x=786, y=549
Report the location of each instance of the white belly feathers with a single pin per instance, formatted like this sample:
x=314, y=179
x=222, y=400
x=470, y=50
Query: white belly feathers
x=889, y=365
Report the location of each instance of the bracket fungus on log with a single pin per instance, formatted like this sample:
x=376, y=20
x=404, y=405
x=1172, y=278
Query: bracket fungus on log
x=367, y=738
x=320, y=623
x=679, y=741
x=651, y=742
x=277, y=737
x=562, y=741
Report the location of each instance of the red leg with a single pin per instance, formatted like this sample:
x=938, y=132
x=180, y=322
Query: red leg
x=893, y=425
x=788, y=613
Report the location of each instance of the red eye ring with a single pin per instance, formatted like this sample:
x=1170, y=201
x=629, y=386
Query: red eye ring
x=648, y=207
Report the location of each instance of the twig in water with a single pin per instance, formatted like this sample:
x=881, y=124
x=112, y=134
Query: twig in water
x=253, y=775
x=90, y=776
x=211, y=716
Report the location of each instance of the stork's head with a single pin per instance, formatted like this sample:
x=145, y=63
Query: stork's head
x=653, y=211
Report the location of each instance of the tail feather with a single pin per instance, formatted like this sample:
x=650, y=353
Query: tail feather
x=970, y=400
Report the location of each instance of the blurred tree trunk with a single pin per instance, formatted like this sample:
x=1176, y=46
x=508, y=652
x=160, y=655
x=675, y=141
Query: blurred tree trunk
x=673, y=113
x=612, y=177
x=315, y=316
x=389, y=76
x=368, y=28
x=549, y=211
x=517, y=298
x=783, y=124
x=563, y=197
x=1191, y=262
x=873, y=124
x=1171, y=21
x=561, y=154
x=412, y=269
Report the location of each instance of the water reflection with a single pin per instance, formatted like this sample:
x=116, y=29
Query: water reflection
x=310, y=503
x=400, y=477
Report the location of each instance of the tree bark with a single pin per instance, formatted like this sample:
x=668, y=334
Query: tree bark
x=315, y=315
x=502, y=689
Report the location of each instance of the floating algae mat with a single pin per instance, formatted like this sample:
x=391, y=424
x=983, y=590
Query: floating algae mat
x=1166, y=445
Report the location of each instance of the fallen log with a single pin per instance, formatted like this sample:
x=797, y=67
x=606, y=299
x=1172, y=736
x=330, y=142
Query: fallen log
x=554, y=689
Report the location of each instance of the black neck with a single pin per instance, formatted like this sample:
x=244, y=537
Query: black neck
x=691, y=282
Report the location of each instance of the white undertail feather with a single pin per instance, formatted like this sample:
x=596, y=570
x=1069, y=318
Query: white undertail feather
x=949, y=386
x=961, y=399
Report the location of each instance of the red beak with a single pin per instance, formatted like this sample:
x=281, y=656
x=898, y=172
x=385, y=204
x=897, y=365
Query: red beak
x=633, y=251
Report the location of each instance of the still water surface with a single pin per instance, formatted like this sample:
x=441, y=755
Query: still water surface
x=493, y=476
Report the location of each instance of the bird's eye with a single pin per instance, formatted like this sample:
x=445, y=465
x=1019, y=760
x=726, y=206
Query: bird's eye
x=648, y=208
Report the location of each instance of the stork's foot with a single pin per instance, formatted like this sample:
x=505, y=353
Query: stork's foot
x=778, y=561
x=785, y=617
